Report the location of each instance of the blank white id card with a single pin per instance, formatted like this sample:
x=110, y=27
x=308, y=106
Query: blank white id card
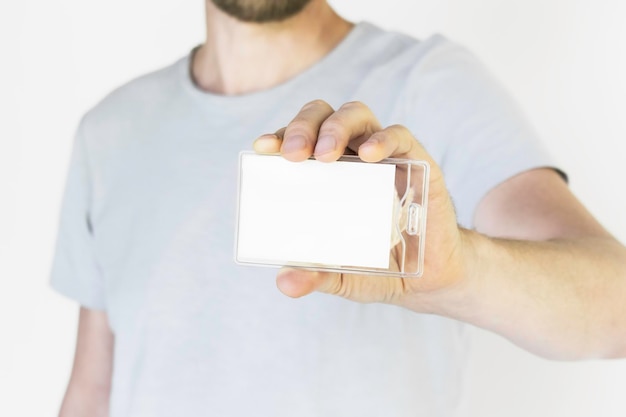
x=339, y=216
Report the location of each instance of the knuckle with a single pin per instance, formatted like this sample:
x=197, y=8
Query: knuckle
x=402, y=137
x=354, y=106
x=399, y=129
x=315, y=104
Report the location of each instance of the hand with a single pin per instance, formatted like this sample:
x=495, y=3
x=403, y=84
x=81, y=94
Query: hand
x=327, y=134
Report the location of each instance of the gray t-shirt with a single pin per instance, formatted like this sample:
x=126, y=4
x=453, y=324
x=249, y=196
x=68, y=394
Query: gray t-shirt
x=147, y=231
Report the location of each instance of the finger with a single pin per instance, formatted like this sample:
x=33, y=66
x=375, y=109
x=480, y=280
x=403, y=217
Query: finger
x=393, y=142
x=269, y=143
x=301, y=133
x=365, y=289
x=353, y=121
x=298, y=282
x=281, y=133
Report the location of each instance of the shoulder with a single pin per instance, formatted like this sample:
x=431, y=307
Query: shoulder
x=388, y=48
x=431, y=86
x=129, y=113
x=439, y=82
x=135, y=99
x=410, y=71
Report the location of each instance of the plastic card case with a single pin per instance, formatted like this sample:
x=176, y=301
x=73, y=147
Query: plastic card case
x=347, y=216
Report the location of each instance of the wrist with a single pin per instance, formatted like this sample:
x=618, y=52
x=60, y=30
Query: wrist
x=462, y=297
x=460, y=282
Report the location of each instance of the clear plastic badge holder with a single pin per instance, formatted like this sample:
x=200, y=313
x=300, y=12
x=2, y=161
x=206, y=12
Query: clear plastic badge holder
x=327, y=216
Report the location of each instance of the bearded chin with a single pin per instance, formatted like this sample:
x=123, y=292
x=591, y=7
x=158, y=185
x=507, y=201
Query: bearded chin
x=261, y=11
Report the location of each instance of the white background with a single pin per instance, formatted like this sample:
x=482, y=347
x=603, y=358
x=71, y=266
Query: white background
x=565, y=61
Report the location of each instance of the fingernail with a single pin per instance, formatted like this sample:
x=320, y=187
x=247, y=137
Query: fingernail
x=325, y=144
x=294, y=144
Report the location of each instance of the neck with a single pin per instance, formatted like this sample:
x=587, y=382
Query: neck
x=240, y=58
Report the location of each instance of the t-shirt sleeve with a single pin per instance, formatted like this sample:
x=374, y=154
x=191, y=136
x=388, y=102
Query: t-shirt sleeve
x=472, y=126
x=75, y=271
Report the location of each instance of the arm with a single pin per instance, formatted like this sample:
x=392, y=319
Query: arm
x=89, y=387
x=543, y=273
x=539, y=270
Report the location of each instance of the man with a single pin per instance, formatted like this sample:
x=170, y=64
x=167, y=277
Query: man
x=170, y=326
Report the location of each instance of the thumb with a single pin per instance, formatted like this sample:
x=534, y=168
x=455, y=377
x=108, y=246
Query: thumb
x=299, y=282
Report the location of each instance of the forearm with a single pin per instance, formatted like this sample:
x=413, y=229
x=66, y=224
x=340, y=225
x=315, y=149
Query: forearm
x=89, y=388
x=561, y=299
x=85, y=400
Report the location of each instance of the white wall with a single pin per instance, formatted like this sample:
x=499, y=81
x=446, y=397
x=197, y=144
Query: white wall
x=564, y=60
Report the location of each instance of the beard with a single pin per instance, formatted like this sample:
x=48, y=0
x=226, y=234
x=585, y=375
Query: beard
x=261, y=11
